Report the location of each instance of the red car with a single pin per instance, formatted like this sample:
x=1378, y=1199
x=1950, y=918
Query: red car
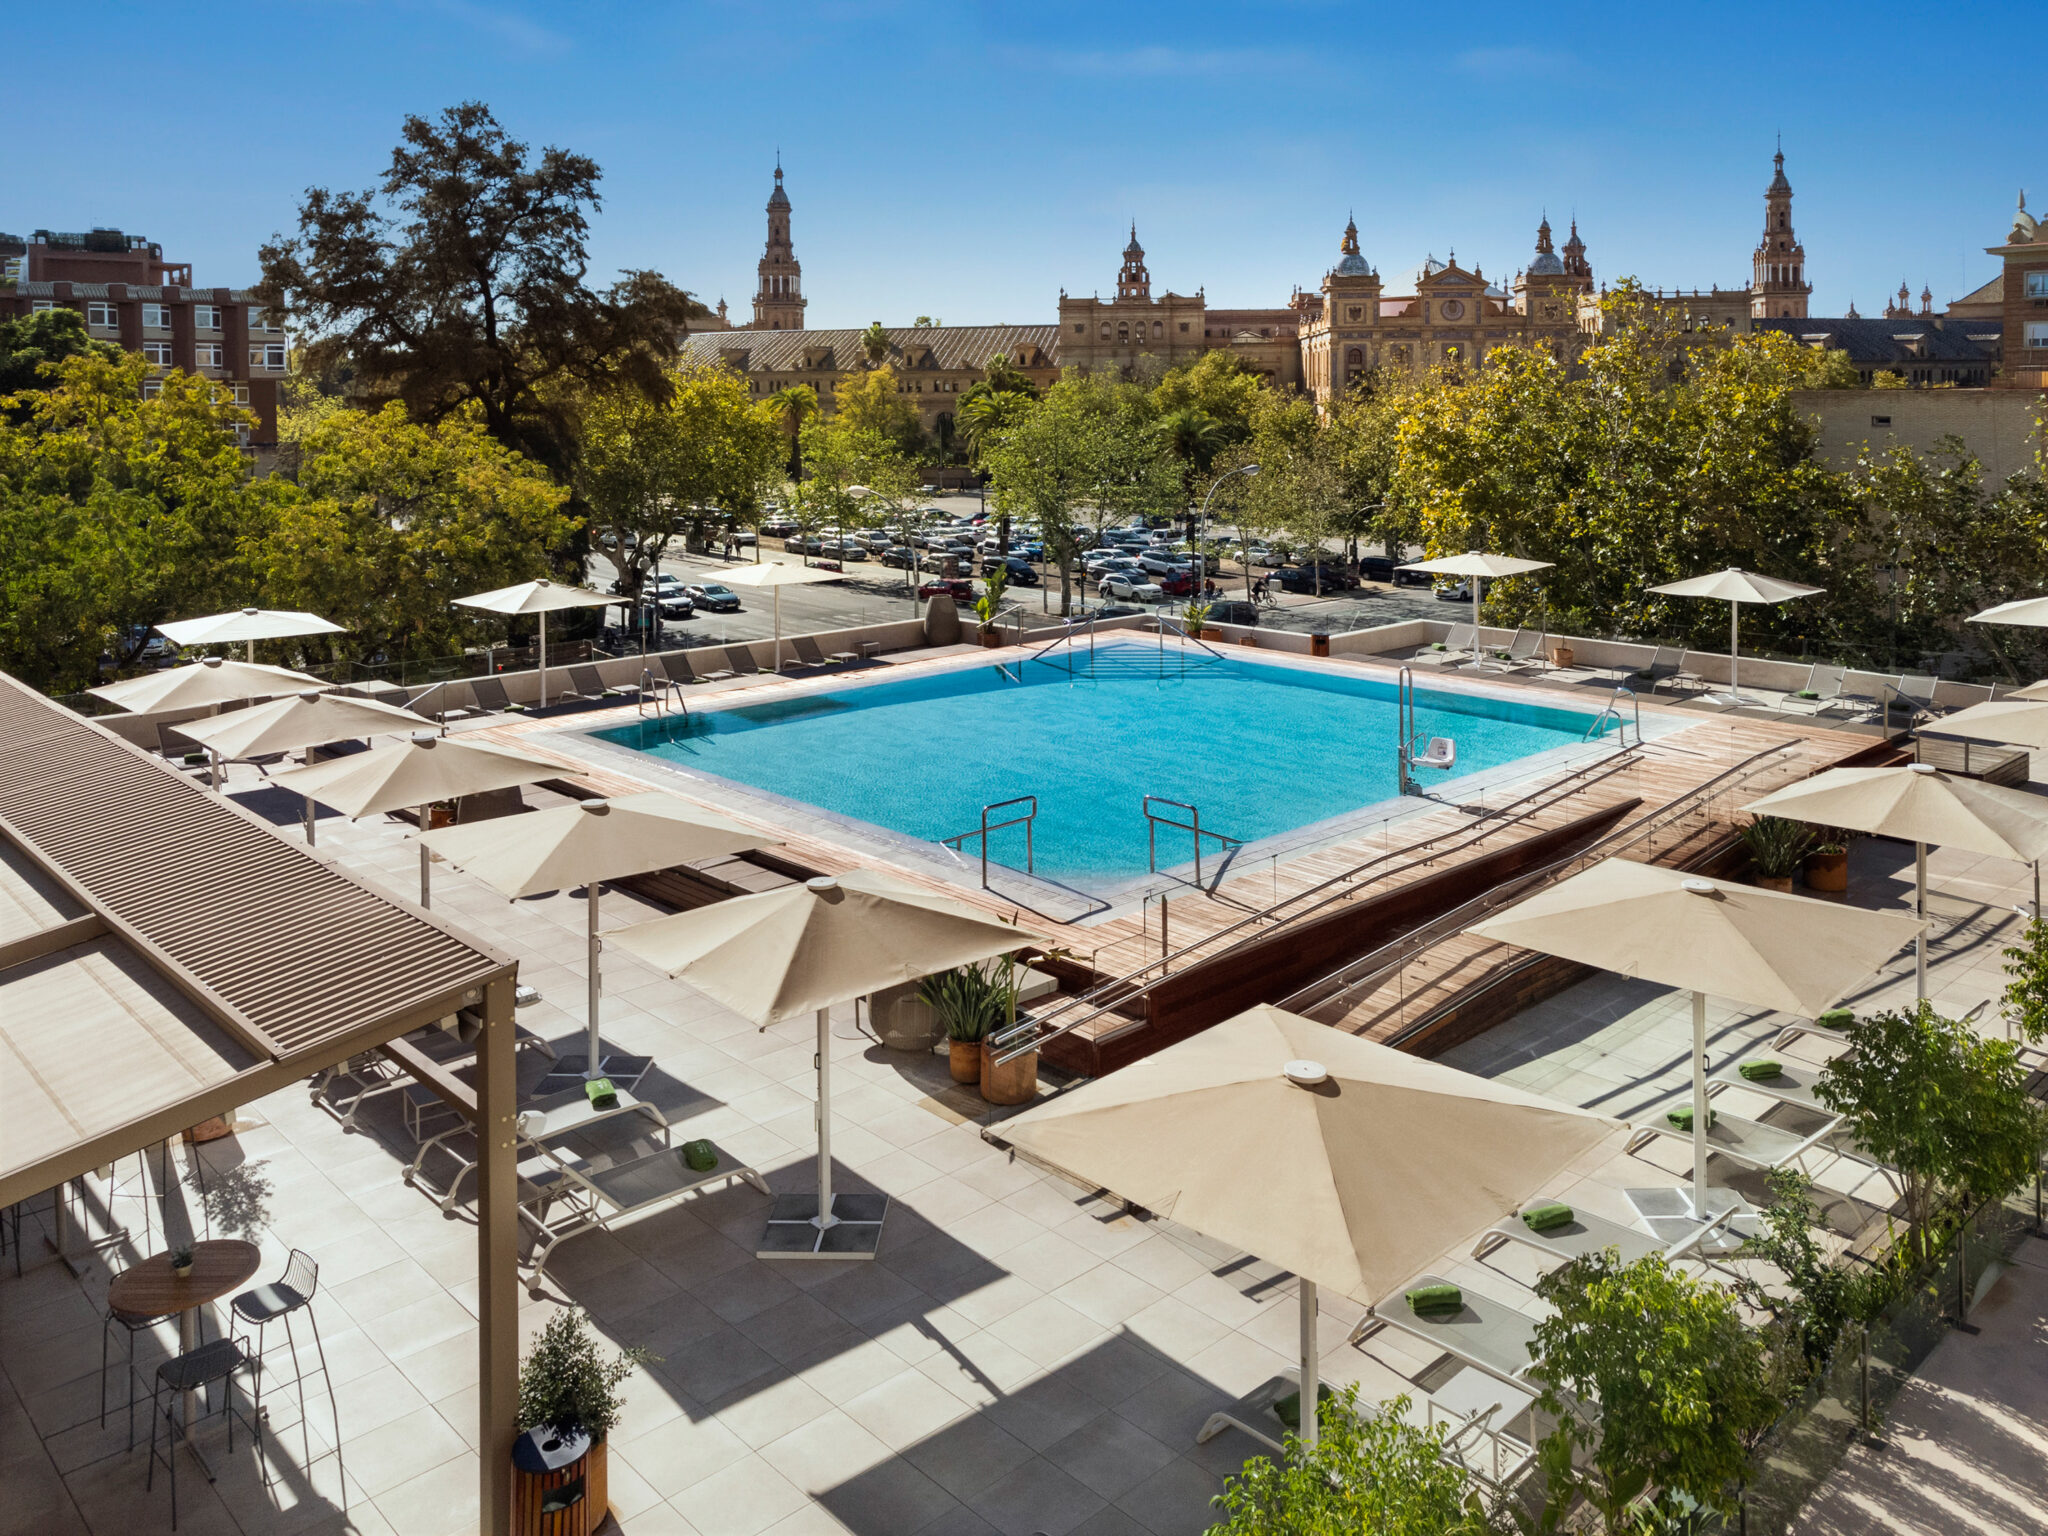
x=948, y=586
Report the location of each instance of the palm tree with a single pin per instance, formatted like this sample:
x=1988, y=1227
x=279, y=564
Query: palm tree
x=796, y=404
x=983, y=413
x=1194, y=437
x=874, y=341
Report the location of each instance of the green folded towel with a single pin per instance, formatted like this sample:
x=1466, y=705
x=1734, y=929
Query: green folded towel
x=1541, y=1218
x=601, y=1093
x=700, y=1155
x=1682, y=1118
x=1837, y=1018
x=1288, y=1408
x=1761, y=1071
x=1429, y=1300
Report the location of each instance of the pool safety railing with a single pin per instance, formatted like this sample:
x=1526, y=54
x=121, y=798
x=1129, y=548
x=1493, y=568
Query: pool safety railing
x=1172, y=626
x=1611, y=710
x=1075, y=1011
x=1153, y=821
x=1072, y=629
x=662, y=692
x=988, y=826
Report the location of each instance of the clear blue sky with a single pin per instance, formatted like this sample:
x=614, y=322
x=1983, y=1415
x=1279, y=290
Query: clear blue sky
x=968, y=160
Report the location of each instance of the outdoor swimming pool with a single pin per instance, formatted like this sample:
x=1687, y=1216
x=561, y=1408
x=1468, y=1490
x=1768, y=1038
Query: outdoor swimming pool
x=1261, y=748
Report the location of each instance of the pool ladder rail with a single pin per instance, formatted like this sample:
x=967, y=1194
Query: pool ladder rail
x=661, y=691
x=1612, y=711
x=987, y=826
x=1153, y=822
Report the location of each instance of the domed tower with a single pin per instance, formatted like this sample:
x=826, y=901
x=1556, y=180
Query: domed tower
x=779, y=301
x=1545, y=291
x=1576, y=266
x=1134, y=282
x=1778, y=288
x=1342, y=346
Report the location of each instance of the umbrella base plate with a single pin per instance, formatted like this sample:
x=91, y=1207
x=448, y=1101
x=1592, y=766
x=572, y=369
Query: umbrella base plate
x=793, y=1233
x=568, y=1072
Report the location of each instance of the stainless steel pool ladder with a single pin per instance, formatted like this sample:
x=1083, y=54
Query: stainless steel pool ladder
x=1193, y=824
x=1612, y=711
x=661, y=690
x=988, y=826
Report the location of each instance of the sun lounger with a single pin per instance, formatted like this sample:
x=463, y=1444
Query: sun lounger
x=1751, y=1143
x=1666, y=665
x=807, y=653
x=1824, y=683
x=1793, y=1085
x=1633, y=659
x=589, y=683
x=538, y=1123
x=488, y=695
x=1688, y=677
x=1586, y=1234
x=1485, y=1334
x=741, y=659
x=561, y=1198
x=1525, y=651
x=1865, y=693
x=1457, y=647
x=676, y=666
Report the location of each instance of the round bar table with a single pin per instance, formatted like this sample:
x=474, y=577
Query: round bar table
x=151, y=1289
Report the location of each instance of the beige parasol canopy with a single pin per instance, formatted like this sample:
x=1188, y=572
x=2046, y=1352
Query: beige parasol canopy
x=1477, y=567
x=775, y=575
x=1354, y=1165
x=1736, y=587
x=541, y=597
x=1923, y=805
x=207, y=681
x=2020, y=720
x=306, y=719
x=2029, y=612
x=1756, y=947
x=587, y=844
x=248, y=625
x=2031, y=691
x=429, y=767
x=781, y=954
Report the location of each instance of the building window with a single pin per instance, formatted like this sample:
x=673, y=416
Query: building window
x=2037, y=333
x=263, y=320
x=157, y=317
x=206, y=317
x=1354, y=356
x=157, y=353
x=268, y=356
x=208, y=354
x=1105, y=330
x=151, y=388
x=1158, y=330
x=1080, y=330
x=1183, y=327
x=2037, y=285
x=101, y=314
x=37, y=306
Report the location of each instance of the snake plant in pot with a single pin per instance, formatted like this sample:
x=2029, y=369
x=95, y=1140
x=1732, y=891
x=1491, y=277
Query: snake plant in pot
x=1776, y=847
x=969, y=1001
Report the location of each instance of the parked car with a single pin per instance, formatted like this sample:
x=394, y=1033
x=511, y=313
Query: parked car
x=1180, y=583
x=712, y=597
x=801, y=544
x=676, y=607
x=1376, y=568
x=1117, y=584
x=1019, y=571
x=948, y=586
x=741, y=538
x=780, y=528
x=843, y=549
x=902, y=558
x=1233, y=611
x=1454, y=592
x=1304, y=578
x=1161, y=563
x=1412, y=578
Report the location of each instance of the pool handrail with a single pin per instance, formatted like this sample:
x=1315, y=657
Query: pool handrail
x=987, y=827
x=1152, y=821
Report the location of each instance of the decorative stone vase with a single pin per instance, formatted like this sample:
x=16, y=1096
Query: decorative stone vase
x=1560, y=655
x=963, y=1058
x=1827, y=871
x=1014, y=1082
x=1775, y=883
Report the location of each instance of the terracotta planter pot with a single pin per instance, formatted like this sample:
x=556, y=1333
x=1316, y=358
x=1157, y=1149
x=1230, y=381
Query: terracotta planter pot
x=989, y=639
x=963, y=1057
x=1827, y=872
x=1013, y=1083
x=210, y=1130
x=1195, y=632
x=1319, y=645
x=1775, y=883
x=1560, y=655
x=1250, y=640
x=596, y=1487
x=440, y=816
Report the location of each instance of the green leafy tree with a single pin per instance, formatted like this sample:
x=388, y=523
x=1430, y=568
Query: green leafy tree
x=1044, y=467
x=1942, y=1105
x=32, y=346
x=1217, y=386
x=874, y=402
x=1370, y=1470
x=1681, y=1382
x=1826, y=1294
x=460, y=283
x=2025, y=1002
x=847, y=450
x=117, y=513
x=984, y=413
x=390, y=521
x=1003, y=377
x=1831, y=369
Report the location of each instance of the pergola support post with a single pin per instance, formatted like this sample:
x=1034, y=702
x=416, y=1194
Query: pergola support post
x=497, y=1258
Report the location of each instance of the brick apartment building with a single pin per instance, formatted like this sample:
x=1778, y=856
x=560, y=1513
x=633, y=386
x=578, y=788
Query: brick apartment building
x=131, y=296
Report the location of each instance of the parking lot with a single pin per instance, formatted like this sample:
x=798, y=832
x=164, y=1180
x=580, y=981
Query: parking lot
x=872, y=592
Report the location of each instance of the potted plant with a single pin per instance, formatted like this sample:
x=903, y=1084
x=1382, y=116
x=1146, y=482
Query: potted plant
x=181, y=1260
x=1193, y=616
x=1776, y=847
x=1560, y=654
x=990, y=603
x=1827, y=863
x=969, y=1002
x=567, y=1386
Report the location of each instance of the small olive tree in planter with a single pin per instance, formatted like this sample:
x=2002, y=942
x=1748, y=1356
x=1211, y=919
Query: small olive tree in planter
x=567, y=1385
x=1776, y=847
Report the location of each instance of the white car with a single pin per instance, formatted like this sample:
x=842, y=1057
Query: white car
x=1129, y=586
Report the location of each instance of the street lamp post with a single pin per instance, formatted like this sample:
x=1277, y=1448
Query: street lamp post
x=1195, y=539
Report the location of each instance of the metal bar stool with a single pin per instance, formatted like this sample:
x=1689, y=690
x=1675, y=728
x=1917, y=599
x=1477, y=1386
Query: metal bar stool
x=131, y=1323
x=263, y=1305
x=196, y=1371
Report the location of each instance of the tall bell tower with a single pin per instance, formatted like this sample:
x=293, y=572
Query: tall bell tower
x=779, y=300
x=1778, y=289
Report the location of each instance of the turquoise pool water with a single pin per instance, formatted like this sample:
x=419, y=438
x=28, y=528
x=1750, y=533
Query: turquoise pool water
x=1261, y=749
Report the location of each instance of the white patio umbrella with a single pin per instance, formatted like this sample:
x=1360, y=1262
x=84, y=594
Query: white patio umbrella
x=785, y=953
x=307, y=719
x=1764, y=949
x=2019, y=719
x=1353, y=1165
x=427, y=768
x=775, y=575
x=1477, y=567
x=210, y=680
x=1920, y=803
x=587, y=844
x=1736, y=587
x=248, y=625
x=2026, y=612
x=541, y=597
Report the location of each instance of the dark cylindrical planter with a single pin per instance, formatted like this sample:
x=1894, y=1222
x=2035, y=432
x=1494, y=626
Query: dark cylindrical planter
x=1319, y=645
x=557, y=1484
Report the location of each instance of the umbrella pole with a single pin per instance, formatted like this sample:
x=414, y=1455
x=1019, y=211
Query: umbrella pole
x=1734, y=654
x=543, y=659
x=426, y=894
x=2037, y=890
x=309, y=820
x=1920, y=911
x=1311, y=1364
x=1478, y=588
x=252, y=653
x=824, y=1219
x=1699, y=1106
x=590, y=1062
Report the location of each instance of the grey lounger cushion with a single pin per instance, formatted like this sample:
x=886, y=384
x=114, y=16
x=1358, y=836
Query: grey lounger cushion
x=1487, y=1333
